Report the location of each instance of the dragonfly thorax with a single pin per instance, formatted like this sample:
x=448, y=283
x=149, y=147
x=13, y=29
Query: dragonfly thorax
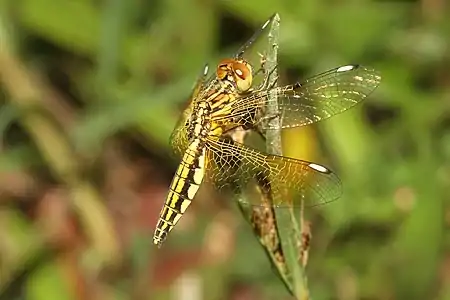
x=200, y=120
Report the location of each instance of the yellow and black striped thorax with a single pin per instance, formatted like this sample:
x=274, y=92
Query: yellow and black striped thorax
x=220, y=102
x=199, y=124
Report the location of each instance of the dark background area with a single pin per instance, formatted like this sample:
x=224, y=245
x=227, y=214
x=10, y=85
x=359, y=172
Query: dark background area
x=91, y=90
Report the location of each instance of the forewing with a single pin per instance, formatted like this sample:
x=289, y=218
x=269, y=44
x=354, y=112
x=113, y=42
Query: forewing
x=316, y=99
x=232, y=166
x=179, y=136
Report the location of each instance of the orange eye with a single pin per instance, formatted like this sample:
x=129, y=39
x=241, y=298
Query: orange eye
x=241, y=70
x=242, y=76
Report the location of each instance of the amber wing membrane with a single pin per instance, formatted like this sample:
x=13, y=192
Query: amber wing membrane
x=231, y=166
x=316, y=99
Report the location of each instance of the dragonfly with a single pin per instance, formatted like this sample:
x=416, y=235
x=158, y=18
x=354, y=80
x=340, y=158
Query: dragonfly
x=236, y=95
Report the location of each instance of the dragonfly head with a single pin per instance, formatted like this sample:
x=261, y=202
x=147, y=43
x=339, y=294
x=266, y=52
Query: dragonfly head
x=238, y=72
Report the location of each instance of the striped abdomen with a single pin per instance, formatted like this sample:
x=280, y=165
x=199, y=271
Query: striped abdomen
x=183, y=188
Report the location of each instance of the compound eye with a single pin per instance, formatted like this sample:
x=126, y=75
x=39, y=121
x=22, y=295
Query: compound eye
x=242, y=76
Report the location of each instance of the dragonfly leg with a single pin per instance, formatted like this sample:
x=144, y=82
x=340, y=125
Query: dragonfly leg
x=266, y=84
x=259, y=131
x=262, y=64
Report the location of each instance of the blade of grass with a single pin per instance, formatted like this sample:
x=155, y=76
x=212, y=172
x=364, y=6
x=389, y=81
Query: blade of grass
x=285, y=220
x=274, y=228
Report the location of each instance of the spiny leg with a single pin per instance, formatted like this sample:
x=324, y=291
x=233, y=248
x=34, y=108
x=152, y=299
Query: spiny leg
x=262, y=64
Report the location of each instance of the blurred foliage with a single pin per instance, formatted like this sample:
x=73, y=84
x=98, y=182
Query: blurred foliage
x=90, y=92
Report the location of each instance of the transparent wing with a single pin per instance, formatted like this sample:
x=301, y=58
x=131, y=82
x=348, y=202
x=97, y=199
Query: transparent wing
x=232, y=166
x=316, y=99
x=261, y=34
x=179, y=137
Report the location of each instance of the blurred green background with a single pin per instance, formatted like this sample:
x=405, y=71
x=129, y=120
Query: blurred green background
x=90, y=91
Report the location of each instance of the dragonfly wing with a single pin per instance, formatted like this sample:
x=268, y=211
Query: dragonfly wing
x=316, y=99
x=262, y=32
x=233, y=166
x=179, y=137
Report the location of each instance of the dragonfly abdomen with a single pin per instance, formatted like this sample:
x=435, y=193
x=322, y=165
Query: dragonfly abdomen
x=183, y=189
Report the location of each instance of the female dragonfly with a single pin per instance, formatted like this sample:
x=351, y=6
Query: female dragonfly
x=238, y=94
